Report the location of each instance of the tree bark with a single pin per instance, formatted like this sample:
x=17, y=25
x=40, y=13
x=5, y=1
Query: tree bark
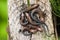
x=14, y=7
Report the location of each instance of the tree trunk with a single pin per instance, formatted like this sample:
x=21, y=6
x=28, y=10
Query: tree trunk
x=14, y=7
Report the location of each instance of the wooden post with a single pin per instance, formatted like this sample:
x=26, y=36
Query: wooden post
x=14, y=7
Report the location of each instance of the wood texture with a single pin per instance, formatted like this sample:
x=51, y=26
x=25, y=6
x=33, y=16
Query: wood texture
x=14, y=7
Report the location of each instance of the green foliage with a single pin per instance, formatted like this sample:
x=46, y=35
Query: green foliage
x=55, y=7
x=59, y=38
x=3, y=19
x=3, y=0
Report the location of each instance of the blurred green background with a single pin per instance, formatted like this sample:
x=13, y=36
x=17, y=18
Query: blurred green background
x=3, y=19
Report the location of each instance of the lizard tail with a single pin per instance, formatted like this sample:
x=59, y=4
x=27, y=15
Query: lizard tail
x=46, y=30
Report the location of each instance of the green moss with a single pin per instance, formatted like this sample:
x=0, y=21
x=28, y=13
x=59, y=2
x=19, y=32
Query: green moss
x=28, y=2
